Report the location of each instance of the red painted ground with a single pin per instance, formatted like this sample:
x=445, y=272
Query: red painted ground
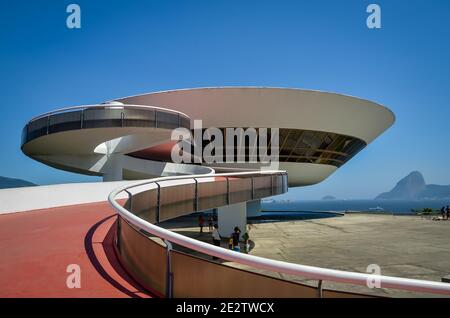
x=36, y=247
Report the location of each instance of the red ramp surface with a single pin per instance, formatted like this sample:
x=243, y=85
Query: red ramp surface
x=38, y=246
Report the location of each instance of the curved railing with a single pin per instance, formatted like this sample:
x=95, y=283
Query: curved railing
x=103, y=115
x=130, y=213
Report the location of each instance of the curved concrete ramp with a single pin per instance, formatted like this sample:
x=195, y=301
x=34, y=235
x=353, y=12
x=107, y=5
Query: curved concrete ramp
x=38, y=246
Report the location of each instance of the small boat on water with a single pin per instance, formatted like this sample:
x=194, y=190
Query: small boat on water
x=377, y=208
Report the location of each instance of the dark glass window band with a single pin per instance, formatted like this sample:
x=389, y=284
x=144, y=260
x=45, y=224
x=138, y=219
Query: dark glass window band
x=299, y=145
x=102, y=118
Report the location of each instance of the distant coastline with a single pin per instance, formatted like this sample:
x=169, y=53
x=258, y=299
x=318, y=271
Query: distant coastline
x=389, y=206
x=7, y=183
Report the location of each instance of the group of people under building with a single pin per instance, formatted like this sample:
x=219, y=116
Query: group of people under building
x=234, y=239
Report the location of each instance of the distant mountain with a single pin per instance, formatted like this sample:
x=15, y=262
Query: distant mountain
x=329, y=197
x=413, y=187
x=6, y=183
x=434, y=191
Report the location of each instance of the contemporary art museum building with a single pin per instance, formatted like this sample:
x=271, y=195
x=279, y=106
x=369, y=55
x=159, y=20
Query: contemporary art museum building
x=131, y=142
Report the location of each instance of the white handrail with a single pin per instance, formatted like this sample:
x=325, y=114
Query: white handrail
x=311, y=272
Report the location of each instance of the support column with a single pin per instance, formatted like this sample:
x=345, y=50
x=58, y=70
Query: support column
x=230, y=216
x=253, y=208
x=112, y=170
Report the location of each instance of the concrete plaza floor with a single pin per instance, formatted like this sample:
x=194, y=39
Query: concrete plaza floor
x=403, y=246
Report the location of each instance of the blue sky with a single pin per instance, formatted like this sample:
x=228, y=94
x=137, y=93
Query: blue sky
x=132, y=47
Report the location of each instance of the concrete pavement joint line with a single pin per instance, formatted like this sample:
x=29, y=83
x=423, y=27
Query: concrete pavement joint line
x=329, y=226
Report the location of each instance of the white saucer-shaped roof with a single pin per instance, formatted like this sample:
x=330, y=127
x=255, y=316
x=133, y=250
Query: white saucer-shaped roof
x=275, y=107
x=262, y=107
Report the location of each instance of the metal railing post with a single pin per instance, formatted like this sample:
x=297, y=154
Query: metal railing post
x=82, y=119
x=319, y=289
x=158, y=203
x=118, y=233
x=196, y=195
x=169, y=274
x=130, y=199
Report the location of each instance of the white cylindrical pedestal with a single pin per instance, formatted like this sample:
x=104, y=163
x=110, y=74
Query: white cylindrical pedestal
x=112, y=170
x=230, y=216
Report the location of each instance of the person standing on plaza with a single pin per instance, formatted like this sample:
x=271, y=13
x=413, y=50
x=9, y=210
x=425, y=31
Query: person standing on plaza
x=236, y=237
x=216, y=237
x=201, y=222
x=210, y=223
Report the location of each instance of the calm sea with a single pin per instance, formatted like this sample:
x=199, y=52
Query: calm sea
x=396, y=206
